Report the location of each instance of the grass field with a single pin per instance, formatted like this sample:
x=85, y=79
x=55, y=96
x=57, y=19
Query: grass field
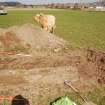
x=80, y=28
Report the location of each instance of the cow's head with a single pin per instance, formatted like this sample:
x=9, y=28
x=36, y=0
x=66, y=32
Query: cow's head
x=38, y=16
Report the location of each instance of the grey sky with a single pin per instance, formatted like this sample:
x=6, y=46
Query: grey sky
x=48, y=1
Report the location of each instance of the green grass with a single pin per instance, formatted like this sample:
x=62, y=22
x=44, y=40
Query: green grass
x=97, y=96
x=80, y=28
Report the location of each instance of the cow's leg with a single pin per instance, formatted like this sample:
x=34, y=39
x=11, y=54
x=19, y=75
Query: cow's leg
x=52, y=30
x=42, y=26
x=48, y=29
x=45, y=28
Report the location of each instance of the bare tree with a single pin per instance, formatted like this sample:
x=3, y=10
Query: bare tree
x=101, y=0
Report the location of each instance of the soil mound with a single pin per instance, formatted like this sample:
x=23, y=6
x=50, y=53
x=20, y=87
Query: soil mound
x=27, y=46
x=34, y=37
x=10, y=42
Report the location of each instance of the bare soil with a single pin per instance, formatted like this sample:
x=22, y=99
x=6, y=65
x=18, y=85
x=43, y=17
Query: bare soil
x=38, y=67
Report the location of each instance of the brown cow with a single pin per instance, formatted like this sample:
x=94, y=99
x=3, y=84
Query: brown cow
x=47, y=22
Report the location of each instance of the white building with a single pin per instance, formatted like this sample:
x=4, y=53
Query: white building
x=100, y=8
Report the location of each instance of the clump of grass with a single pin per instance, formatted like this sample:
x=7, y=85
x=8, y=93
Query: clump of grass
x=5, y=102
x=97, y=96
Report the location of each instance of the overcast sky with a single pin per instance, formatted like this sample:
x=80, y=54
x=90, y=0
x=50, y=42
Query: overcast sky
x=48, y=1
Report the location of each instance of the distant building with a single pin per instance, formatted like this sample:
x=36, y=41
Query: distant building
x=100, y=8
